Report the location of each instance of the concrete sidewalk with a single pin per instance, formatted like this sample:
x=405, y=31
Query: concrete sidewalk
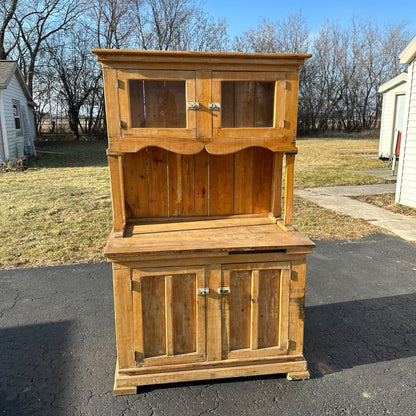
x=57, y=343
x=337, y=199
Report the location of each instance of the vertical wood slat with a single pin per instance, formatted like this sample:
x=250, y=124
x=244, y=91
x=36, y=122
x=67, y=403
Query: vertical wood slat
x=123, y=309
x=201, y=304
x=227, y=94
x=169, y=315
x=136, y=100
x=213, y=337
x=225, y=315
x=254, y=321
x=117, y=192
x=262, y=179
x=136, y=184
x=243, y=181
x=276, y=197
x=203, y=95
x=221, y=184
x=157, y=182
x=244, y=104
x=284, y=307
x=112, y=106
x=291, y=104
x=201, y=180
x=137, y=316
x=280, y=104
x=240, y=309
x=289, y=179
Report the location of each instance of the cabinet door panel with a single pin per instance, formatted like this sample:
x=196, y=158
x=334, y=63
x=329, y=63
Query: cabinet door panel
x=169, y=317
x=254, y=312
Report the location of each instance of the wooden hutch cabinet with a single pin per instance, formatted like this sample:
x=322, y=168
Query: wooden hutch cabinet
x=209, y=274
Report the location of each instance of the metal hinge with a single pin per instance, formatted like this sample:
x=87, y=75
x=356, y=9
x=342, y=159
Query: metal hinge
x=190, y=105
x=214, y=106
x=202, y=291
x=223, y=290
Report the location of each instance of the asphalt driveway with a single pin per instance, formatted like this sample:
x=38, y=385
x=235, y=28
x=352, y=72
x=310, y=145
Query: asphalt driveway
x=57, y=343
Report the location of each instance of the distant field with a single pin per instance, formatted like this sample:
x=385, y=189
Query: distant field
x=59, y=210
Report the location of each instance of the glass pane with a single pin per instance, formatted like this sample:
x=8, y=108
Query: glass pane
x=157, y=104
x=247, y=104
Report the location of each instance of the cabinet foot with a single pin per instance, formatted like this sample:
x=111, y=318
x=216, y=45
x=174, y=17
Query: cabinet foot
x=298, y=375
x=121, y=391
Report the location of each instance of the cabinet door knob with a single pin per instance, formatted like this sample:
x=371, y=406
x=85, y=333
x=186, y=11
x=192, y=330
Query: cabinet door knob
x=214, y=106
x=223, y=290
x=202, y=291
x=192, y=105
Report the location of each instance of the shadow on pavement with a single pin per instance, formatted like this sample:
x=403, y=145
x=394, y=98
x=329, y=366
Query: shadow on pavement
x=348, y=334
x=33, y=362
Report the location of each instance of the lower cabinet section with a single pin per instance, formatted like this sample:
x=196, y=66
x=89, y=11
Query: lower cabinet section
x=209, y=321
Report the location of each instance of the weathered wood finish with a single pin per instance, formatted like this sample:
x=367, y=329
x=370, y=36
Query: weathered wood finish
x=209, y=274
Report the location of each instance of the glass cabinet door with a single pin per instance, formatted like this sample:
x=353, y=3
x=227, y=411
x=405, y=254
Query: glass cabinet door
x=157, y=104
x=251, y=104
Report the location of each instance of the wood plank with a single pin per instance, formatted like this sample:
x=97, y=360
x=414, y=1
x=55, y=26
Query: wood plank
x=214, y=331
x=188, y=365
x=262, y=179
x=154, y=320
x=241, y=239
x=269, y=305
x=243, y=181
x=135, y=180
x=285, y=312
x=291, y=103
x=240, y=309
x=289, y=185
x=277, y=175
x=123, y=309
x=169, y=325
x=244, y=104
x=136, y=100
x=254, y=318
x=264, y=104
x=209, y=374
x=137, y=317
x=184, y=313
x=225, y=316
x=117, y=193
x=157, y=182
x=201, y=306
x=227, y=100
x=112, y=109
x=188, y=185
x=221, y=184
x=203, y=96
x=201, y=166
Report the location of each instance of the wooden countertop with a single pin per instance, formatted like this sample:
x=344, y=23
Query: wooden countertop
x=155, y=237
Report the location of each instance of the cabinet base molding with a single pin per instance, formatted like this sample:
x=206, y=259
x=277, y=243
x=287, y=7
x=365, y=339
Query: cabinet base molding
x=295, y=368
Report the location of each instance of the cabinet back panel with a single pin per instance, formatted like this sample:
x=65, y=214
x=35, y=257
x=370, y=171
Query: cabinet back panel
x=159, y=183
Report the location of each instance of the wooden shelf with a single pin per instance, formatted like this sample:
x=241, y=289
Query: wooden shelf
x=229, y=235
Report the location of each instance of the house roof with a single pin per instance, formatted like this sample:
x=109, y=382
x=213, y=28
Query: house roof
x=7, y=70
x=396, y=81
x=409, y=52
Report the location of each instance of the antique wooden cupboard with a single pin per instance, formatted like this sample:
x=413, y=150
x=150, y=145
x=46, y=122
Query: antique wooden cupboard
x=209, y=274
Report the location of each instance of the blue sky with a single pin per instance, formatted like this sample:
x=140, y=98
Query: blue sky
x=244, y=14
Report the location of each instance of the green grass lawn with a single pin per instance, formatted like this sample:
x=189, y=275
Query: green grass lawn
x=58, y=211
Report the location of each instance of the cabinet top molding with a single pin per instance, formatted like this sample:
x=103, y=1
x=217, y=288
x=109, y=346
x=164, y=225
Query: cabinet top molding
x=200, y=60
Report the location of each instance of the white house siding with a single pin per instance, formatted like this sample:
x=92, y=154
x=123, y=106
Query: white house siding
x=388, y=114
x=406, y=178
x=14, y=92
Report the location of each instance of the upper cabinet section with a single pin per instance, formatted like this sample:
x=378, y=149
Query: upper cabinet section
x=185, y=101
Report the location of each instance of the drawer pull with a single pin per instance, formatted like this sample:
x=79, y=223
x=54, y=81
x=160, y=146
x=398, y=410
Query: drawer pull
x=192, y=106
x=223, y=290
x=202, y=291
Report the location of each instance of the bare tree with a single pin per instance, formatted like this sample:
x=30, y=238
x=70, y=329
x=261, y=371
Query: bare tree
x=35, y=23
x=77, y=75
x=8, y=9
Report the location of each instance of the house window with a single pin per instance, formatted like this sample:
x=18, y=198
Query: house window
x=16, y=114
